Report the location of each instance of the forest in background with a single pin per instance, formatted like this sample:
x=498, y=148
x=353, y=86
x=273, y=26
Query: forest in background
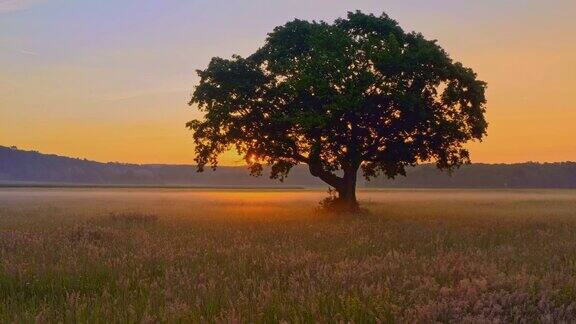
x=32, y=167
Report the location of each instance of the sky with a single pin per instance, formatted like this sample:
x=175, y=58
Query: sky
x=109, y=80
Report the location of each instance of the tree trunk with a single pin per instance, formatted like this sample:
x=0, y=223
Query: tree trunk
x=347, y=191
x=345, y=186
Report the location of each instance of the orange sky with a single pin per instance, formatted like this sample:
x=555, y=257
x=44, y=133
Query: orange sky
x=110, y=83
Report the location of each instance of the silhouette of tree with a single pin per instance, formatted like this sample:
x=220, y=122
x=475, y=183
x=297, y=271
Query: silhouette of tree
x=359, y=93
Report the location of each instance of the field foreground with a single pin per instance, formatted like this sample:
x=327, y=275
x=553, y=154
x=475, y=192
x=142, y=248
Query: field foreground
x=101, y=255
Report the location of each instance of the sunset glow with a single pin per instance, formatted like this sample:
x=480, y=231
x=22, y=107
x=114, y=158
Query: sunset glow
x=109, y=80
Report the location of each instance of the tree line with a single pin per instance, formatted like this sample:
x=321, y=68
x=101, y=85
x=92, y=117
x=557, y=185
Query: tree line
x=34, y=167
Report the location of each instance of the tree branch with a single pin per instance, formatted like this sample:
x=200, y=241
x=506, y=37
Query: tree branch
x=326, y=176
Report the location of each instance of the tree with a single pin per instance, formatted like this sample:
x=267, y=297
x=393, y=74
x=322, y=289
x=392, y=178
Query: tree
x=360, y=93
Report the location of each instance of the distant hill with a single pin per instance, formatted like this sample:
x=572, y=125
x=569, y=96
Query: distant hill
x=478, y=175
x=34, y=168
x=30, y=167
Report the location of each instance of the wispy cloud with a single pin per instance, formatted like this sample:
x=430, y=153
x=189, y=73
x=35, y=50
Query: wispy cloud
x=26, y=52
x=15, y=5
x=15, y=49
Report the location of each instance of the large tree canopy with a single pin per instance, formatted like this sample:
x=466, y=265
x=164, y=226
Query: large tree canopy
x=357, y=93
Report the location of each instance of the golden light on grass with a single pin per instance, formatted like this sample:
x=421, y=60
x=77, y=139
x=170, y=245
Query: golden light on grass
x=151, y=255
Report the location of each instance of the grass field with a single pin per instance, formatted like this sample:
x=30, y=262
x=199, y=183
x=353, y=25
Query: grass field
x=149, y=255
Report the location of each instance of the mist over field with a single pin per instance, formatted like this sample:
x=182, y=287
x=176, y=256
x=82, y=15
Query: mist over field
x=149, y=255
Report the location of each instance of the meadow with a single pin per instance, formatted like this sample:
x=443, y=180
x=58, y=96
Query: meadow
x=152, y=255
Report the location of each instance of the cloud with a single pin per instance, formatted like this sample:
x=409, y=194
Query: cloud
x=15, y=5
x=21, y=51
x=27, y=52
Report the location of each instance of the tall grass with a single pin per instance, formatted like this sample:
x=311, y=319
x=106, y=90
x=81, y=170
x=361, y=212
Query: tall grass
x=250, y=256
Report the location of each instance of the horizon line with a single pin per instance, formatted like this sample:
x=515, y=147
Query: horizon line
x=14, y=147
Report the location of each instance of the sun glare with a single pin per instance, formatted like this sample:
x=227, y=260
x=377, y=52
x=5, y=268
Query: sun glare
x=252, y=159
